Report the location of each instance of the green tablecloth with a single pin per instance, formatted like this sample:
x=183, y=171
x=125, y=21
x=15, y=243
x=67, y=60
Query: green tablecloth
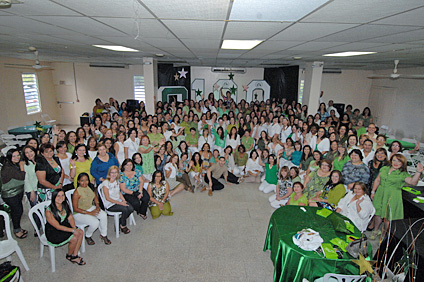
x=29, y=130
x=291, y=263
x=405, y=145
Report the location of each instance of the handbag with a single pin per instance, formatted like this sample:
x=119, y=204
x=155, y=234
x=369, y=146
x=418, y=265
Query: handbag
x=9, y=272
x=358, y=246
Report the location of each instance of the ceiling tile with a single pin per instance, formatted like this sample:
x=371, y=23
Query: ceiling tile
x=356, y=46
x=40, y=8
x=310, y=31
x=129, y=41
x=141, y=27
x=277, y=45
x=164, y=42
x=314, y=46
x=253, y=30
x=273, y=10
x=26, y=25
x=403, y=37
x=81, y=24
x=202, y=43
x=195, y=9
x=82, y=39
x=414, y=18
x=112, y=8
x=364, y=32
x=360, y=11
x=196, y=29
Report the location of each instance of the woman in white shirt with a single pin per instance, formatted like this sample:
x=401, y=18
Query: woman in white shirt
x=205, y=138
x=64, y=158
x=357, y=206
x=113, y=199
x=320, y=142
x=286, y=129
x=131, y=144
x=119, y=147
x=253, y=168
x=171, y=169
x=233, y=139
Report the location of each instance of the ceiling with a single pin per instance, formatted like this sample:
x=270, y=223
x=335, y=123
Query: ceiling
x=191, y=32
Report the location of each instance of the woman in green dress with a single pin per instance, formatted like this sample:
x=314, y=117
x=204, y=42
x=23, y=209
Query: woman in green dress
x=147, y=153
x=341, y=158
x=387, y=191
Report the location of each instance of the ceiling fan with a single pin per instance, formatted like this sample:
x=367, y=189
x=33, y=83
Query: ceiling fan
x=396, y=75
x=36, y=66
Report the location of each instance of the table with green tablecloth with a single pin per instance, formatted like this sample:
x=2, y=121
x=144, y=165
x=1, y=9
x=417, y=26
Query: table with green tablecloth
x=29, y=130
x=291, y=263
x=405, y=145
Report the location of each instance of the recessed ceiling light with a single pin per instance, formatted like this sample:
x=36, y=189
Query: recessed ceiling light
x=159, y=55
x=116, y=48
x=297, y=58
x=240, y=44
x=348, y=54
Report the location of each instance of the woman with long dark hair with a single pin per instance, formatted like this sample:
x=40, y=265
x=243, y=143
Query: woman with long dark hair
x=12, y=190
x=158, y=191
x=79, y=163
x=331, y=193
x=61, y=229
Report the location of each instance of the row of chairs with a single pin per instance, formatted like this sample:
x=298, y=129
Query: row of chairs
x=15, y=140
x=38, y=211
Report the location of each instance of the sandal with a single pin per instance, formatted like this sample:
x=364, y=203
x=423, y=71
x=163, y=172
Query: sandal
x=24, y=231
x=106, y=240
x=143, y=216
x=72, y=259
x=124, y=229
x=90, y=241
x=22, y=236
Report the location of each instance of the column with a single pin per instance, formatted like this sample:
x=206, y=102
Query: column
x=150, y=83
x=312, y=88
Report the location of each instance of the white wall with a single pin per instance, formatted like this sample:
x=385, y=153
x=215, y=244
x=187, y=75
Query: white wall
x=239, y=79
x=405, y=109
x=350, y=87
x=91, y=83
x=12, y=101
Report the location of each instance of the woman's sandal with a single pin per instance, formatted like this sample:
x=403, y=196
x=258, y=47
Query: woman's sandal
x=143, y=216
x=22, y=236
x=106, y=240
x=90, y=241
x=73, y=258
x=124, y=229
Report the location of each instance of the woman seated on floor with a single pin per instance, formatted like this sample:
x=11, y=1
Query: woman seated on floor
x=87, y=213
x=357, y=206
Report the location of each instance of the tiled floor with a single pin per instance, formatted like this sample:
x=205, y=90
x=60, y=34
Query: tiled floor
x=218, y=238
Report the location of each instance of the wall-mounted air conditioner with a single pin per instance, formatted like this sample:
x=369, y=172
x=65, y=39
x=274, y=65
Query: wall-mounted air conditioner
x=108, y=65
x=228, y=69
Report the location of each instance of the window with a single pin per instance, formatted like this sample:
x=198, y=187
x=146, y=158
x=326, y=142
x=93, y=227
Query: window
x=32, y=97
x=301, y=87
x=139, y=93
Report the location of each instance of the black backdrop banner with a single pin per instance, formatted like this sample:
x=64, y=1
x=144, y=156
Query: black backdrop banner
x=283, y=81
x=166, y=77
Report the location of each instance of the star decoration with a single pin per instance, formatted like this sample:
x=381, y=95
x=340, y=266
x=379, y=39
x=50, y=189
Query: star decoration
x=364, y=265
x=183, y=73
x=407, y=261
x=233, y=90
x=231, y=75
x=176, y=77
x=216, y=86
x=198, y=92
x=245, y=87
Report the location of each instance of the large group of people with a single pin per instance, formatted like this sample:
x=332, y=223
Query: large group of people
x=127, y=160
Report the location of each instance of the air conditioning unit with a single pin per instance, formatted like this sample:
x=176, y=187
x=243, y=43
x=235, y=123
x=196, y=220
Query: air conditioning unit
x=233, y=70
x=332, y=70
x=108, y=65
x=5, y=4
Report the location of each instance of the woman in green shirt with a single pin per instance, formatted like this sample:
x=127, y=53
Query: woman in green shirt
x=330, y=196
x=147, y=153
x=240, y=160
x=341, y=157
x=271, y=169
x=219, y=135
x=297, y=198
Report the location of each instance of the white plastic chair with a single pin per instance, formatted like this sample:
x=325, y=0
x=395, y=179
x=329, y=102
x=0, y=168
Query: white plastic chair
x=115, y=215
x=344, y=278
x=9, y=246
x=68, y=195
x=9, y=140
x=47, y=119
x=6, y=149
x=369, y=219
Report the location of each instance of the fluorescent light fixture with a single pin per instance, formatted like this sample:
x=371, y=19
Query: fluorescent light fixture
x=348, y=54
x=240, y=44
x=116, y=48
